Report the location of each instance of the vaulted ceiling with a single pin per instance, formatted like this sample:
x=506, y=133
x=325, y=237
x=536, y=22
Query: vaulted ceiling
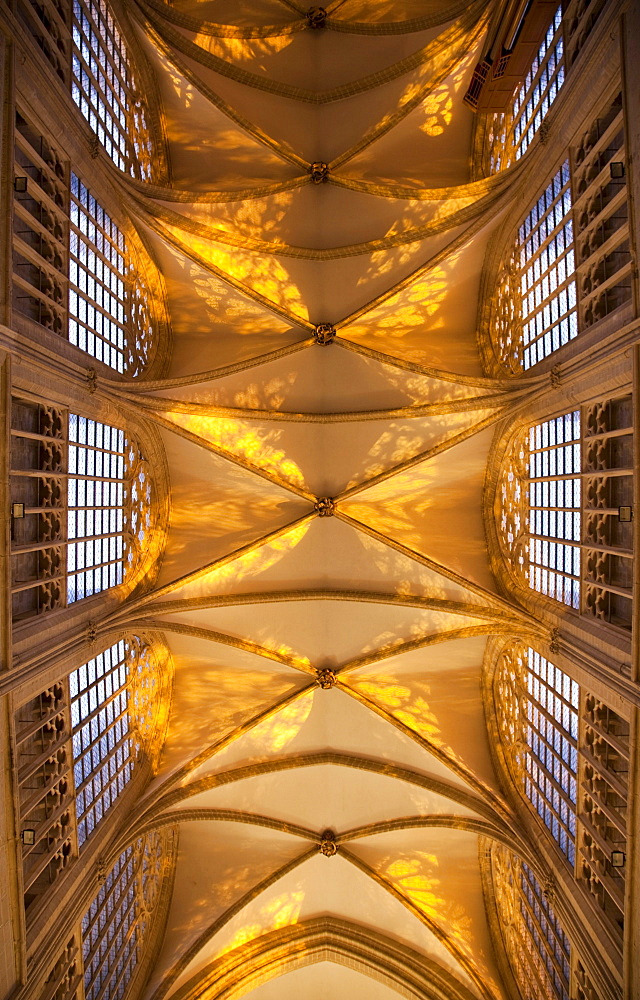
x=388, y=590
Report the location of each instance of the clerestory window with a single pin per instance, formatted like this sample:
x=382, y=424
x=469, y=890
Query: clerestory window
x=109, y=942
x=511, y=132
x=564, y=509
x=115, y=925
x=81, y=507
x=74, y=270
x=103, y=87
x=559, y=742
x=568, y=264
x=554, y=507
x=537, y=946
x=540, y=507
x=102, y=734
x=537, y=707
x=79, y=743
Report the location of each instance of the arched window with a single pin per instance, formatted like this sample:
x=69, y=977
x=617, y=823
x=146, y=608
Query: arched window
x=578, y=221
x=119, y=928
x=109, y=507
x=104, y=88
x=538, y=949
x=567, y=754
x=537, y=709
x=82, y=507
x=74, y=270
x=564, y=508
x=79, y=743
x=540, y=278
x=511, y=132
x=540, y=507
x=113, y=928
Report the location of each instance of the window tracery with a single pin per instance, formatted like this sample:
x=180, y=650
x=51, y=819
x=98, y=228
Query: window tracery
x=539, y=507
x=115, y=926
x=74, y=271
x=552, y=285
x=63, y=982
x=510, y=133
x=104, y=88
x=47, y=22
x=78, y=745
x=554, y=508
x=538, y=949
x=567, y=753
x=537, y=708
x=602, y=216
x=564, y=507
x=84, y=490
x=534, y=97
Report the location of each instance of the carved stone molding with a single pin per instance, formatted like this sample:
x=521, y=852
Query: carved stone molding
x=316, y=17
x=325, y=506
x=319, y=172
x=328, y=845
x=326, y=678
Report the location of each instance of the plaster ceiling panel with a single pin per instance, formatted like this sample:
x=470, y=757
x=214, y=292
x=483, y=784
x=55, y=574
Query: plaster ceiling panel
x=318, y=216
x=430, y=146
x=208, y=148
x=392, y=11
x=419, y=508
x=250, y=13
x=325, y=132
x=433, y=320
x=245, y=692
x=326, y=459
x=217, y=864
x=314, y=291
x=327, y=797
x=321, y=632
x=319, y=380
x=436, y=692
x=328, y=554
x=216, y=689
x=316, y=982
x=315, y=889
x=216, y=508
x=309, y=59
x=212, y=323
x=437, y=871
x=305, y=726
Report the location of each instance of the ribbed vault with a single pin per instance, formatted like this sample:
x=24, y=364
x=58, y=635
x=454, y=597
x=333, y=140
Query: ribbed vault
x=325, y=591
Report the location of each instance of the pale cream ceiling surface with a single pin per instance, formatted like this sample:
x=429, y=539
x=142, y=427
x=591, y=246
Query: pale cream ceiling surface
x=257, y=592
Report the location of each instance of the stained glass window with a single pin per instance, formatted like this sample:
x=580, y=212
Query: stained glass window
x=547, y=944
x=100, y=80
x=115, y=925
x=110, y=932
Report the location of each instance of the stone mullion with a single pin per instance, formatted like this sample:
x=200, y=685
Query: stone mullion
x=583, y=921
x=54, y=767
x=607, y=478
x=54, y=39
x=61, y=913
x=41, y=293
